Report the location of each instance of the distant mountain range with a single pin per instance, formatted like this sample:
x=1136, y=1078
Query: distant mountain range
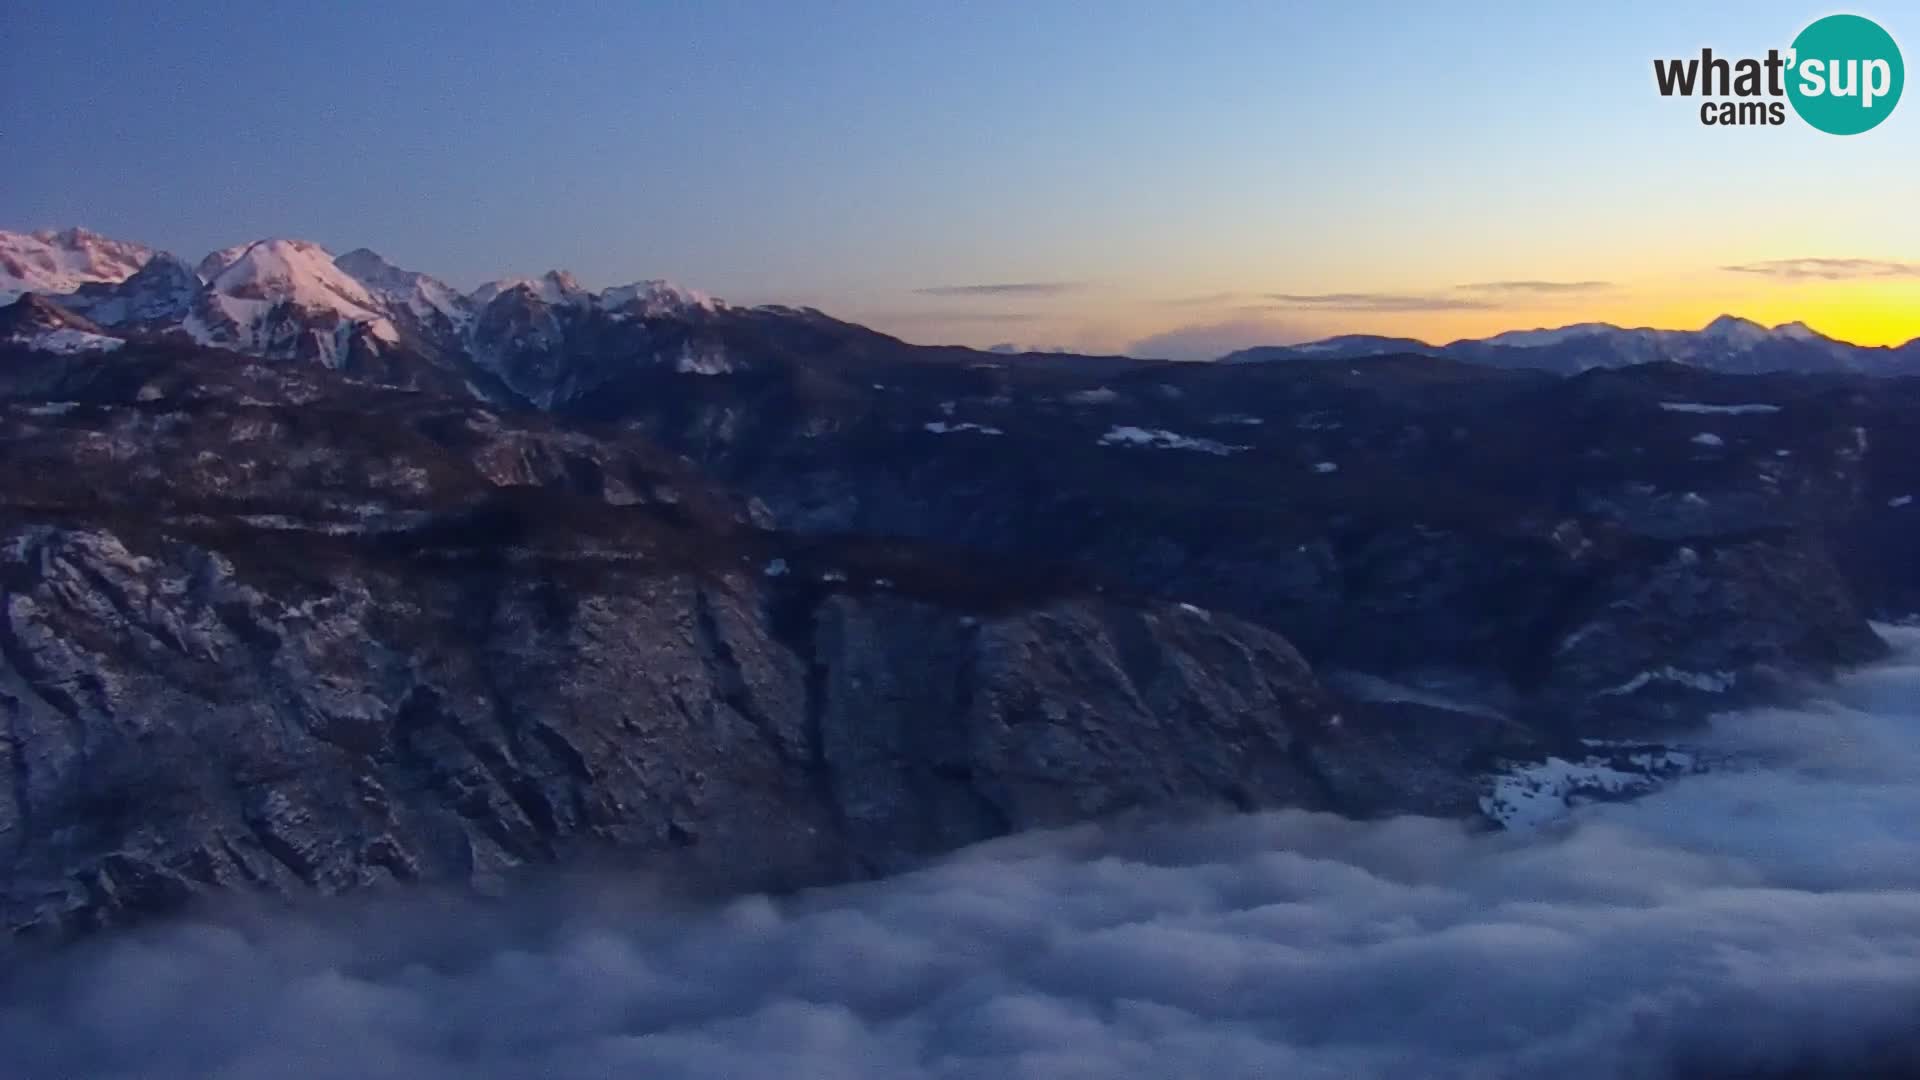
x=293, y=299
x=545, y=340
x=549, y=337
x=1728, y=344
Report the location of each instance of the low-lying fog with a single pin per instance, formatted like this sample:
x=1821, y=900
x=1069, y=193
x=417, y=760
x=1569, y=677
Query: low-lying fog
x=1765, y=915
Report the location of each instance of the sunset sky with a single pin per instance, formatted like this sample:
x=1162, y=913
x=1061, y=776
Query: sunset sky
x=1160, y=178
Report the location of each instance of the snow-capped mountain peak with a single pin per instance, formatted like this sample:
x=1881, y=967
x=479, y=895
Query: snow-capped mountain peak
x=296, y=270
x=655, y=297
x=552, y=287
x=1735, y=331
x=650, y=298
x=53, y=263
x=284, y=298
x=421, y=295
x=293, y=299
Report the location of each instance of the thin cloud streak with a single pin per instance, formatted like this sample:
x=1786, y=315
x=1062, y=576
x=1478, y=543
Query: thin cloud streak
x=956, y=316
x=1536, y=288
x=1012, y=288
x=1383, y=301
x=1828, y=269
x=1206, y=300
x=1370, y=301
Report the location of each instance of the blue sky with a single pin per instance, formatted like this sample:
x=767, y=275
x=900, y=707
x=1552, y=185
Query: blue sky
x=1163, y=164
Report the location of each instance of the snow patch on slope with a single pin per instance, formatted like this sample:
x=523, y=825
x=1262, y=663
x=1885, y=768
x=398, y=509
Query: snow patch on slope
x=1717, y=410
x=1532, y=795
x=67, y=339
x=1540, y=338
x=1707, y=682
x=1158, y=439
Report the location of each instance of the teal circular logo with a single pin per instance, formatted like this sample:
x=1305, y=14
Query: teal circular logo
x=1846, y=74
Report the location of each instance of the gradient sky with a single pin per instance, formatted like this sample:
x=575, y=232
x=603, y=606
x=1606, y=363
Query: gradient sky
x=1170, y=179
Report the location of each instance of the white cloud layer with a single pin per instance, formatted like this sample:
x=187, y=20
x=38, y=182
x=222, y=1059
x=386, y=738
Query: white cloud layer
x=1765, y=916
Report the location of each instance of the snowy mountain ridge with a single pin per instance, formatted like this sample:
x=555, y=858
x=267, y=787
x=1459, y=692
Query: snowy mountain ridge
x=1728, y=343
x=294, y=299
x=60, y=262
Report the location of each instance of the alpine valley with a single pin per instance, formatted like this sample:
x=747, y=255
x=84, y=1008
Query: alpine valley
x=319, y=575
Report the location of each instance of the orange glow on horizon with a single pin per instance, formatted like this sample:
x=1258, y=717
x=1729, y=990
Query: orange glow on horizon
x=1869, y=313
x=1875, y=312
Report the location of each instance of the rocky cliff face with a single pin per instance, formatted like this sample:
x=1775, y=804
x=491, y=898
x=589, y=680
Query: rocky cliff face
x=312, y=715
x=249, y=644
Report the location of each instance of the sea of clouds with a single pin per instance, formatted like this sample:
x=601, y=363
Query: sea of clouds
x=1765, y=916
